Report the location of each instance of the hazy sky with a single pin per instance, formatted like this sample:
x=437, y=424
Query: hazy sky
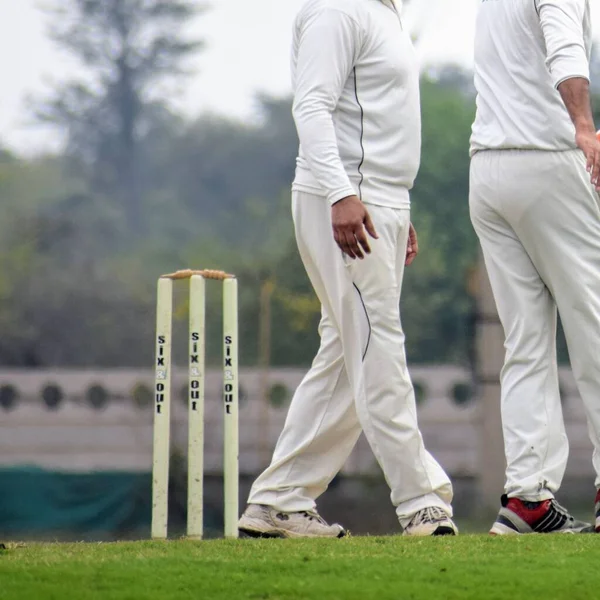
x=247, y=51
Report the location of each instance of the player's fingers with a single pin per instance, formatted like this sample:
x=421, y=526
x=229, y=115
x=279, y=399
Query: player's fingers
x=414, y=242
x=593, y=170
x=346, y=249
x=338, y=239
x=590, y=162
x=409, y=259
x=343, y=243
x=596, y=168
x=369, y=226
x=353, y=244
x=361, y=237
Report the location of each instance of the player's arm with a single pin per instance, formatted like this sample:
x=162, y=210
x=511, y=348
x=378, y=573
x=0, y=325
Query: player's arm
x=329, y=46
x=575, y=93
x=328, y=49
x=567, y=60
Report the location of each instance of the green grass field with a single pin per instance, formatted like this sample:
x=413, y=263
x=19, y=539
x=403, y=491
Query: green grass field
x=479, y=567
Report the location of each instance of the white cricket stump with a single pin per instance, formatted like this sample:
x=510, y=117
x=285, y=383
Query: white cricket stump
x=230, y=401
x=162, y=409
x=196, y=407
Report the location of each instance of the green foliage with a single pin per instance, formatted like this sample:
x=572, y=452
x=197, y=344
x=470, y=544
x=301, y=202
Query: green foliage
x=132, y=53
x=437, y=310
x=76, y=288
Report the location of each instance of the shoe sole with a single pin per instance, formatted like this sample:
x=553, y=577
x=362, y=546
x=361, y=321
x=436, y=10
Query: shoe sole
x=440, y=531
x=248, y=533
x=279, y=534
x=501, y=529
x=443, y=530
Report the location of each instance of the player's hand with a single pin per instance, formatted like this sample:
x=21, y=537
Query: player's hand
x=412, y=247
x=588, y=142
x=351, y=222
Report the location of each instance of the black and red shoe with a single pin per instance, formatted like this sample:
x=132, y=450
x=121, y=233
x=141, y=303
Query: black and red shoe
x=548, y=516
x=598, y=512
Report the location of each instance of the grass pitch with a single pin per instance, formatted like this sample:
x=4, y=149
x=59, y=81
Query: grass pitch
x=478, y=567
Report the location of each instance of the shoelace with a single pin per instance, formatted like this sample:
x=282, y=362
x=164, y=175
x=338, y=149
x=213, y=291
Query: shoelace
x=314, y=515
x=431, y=514
x=309, y=514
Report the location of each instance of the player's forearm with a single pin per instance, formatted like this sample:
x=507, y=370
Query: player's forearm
x=575, y=93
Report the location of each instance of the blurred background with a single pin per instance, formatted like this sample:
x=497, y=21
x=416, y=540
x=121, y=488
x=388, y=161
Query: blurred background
x=143, y=136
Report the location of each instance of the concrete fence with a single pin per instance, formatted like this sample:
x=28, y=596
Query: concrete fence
x=102, y=420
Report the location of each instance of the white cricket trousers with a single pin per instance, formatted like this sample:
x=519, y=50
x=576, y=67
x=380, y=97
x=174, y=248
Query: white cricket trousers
x=538, y=221
x=359, y=378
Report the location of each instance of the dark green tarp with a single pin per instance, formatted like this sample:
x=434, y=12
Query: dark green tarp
x=35, y=503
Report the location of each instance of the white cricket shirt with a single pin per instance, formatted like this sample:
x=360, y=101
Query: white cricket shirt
x=356, y=102
x=523, y=50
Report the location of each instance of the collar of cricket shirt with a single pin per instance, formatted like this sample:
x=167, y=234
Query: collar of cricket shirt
x=393, y=6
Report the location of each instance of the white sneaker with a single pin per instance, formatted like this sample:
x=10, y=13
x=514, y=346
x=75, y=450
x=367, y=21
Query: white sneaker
x=264, y=521
x=431, y=521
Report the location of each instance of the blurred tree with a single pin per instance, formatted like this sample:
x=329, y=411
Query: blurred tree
x=58, y=290
x=453, y=77
x=218, y=166
x=216, y=194
x=57, y=309
x=131, y=54
x=5, y=156
x=436, y=305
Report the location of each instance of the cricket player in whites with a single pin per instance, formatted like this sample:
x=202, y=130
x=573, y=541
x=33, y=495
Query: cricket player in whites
x=535, y=207
x=356, y=106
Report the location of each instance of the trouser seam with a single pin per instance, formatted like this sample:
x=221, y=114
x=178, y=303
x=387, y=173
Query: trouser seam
x=373, y=442
x=368, y=322
x=549, y=356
